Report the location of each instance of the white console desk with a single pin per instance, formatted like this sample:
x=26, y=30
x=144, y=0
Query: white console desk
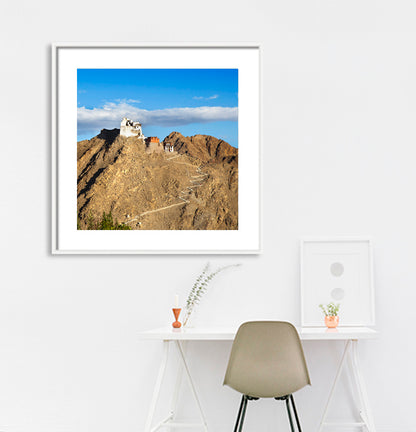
x=349, y=359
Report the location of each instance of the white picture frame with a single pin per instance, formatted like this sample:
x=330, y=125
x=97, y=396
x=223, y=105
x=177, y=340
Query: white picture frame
x=66, y=59
x=338, y=270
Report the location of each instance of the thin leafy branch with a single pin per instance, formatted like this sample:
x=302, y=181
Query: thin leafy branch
x=200, y=287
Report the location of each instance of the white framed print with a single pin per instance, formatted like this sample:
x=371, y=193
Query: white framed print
x=340, y=271
x=155, y=148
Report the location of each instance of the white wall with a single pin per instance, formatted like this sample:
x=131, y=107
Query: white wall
x=338, y=159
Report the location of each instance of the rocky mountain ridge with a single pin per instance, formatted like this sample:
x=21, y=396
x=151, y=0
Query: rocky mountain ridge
x=204, y=147
x=195, y=187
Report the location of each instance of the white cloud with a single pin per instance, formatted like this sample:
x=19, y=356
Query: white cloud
x=128, y=101
x=206, y=98
x=110, y=115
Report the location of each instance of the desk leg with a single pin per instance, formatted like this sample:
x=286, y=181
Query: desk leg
x=169, y=422
x=351, y=352
x=191, y=383
x=179, y=376
x=158, y=386
x=331, y=394
x=356, y=370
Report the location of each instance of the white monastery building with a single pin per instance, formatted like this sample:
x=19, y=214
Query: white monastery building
x=129, y=128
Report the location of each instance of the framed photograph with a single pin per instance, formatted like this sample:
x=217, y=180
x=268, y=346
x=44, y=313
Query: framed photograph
x=339, y=271
x=156, y=148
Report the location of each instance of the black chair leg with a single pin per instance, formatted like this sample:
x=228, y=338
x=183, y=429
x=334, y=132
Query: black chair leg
x=243, y=414
x=296, y=413
x=289, y=414
x=289, y=401
x=239, y=414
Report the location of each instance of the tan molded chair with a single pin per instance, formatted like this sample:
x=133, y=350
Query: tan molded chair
x=267, y=361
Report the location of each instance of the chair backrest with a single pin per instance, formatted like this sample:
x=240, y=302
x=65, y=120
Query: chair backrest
x=267, y=360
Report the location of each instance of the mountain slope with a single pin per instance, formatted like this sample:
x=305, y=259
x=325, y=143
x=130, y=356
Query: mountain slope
x=204, y=147
x=195, y=187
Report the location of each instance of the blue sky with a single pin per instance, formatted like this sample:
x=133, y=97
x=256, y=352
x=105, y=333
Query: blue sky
x=189, y=101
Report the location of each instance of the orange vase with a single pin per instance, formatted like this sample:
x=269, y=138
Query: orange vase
x=176, y=313
x=331, y=321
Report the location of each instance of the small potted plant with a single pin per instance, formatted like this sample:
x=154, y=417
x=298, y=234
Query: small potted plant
x=331, y=314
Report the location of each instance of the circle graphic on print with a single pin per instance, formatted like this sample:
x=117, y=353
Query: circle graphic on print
x=337, y=269
x=337, y=293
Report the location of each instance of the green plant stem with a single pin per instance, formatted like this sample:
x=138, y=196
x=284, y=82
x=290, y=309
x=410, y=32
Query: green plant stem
x=199, y=288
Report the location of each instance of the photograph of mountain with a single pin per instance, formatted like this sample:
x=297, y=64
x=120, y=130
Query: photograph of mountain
x=157, y=149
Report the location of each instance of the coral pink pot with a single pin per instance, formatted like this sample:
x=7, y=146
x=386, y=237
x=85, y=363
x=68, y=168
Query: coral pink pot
x=332, y=321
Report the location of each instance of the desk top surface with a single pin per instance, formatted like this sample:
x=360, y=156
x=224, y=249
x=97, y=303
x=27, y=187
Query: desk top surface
x=228, y=334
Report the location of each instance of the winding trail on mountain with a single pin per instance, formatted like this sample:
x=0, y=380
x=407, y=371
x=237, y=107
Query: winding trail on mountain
x=183, y=194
